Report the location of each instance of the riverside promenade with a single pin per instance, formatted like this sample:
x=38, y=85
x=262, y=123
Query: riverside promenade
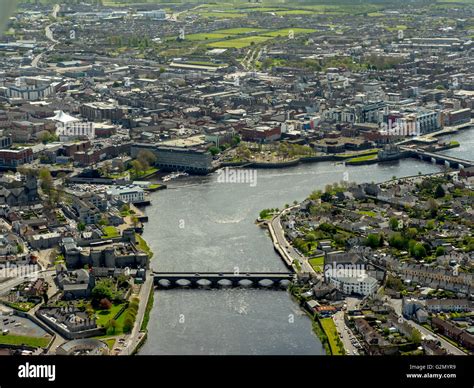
x=286, y=251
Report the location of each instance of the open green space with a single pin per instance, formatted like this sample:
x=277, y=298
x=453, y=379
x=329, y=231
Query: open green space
x=367, y=213
x=110, y=343
x=317, y=263
x=104, y=316
x=364, y=158
x=294, y=12
x=36, y=342
x=240, y=42
x=331, y=332
x=286, y=31
x=110, y=232
x=142, y=244
x=222, y=15
x=206, y=36
x=239, y=31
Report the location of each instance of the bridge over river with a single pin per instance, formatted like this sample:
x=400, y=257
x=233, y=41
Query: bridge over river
x=168, y=280
x=449, y=161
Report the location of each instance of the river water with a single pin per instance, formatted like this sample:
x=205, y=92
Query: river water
x=199, y=224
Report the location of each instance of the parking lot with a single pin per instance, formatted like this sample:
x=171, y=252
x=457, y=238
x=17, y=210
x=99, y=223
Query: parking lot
x=20, y=326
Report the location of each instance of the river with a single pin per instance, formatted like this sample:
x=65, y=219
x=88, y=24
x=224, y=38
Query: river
x=200, y=225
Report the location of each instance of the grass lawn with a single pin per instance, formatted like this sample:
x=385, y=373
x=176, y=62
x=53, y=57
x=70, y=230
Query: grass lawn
x=362, y=159
x=239, y=31
x=356, y=154
x=330, y=329
x=206, y=36
x=36, y=342
x=110, y=343
x=396, y=28
x=367, y=213
x=103, y=316
x=142, y=244
x=317, y=263
x=375, y=14
x=240, y=42
x=295, y=12
x=110, y=232
x=22, y=306
x=222, y=15
x=285, y=31
x=141, y=174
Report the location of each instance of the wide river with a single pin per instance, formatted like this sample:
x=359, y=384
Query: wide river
x=200, y=225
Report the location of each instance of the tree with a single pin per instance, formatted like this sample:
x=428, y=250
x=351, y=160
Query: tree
x=373, y=240
x=146, y=158
x=418, y=251
x=440, y=251
x=103, y=289
x=235, y=140
x=393, y=223
x=137, y=167
x=397, y=241
x=214, y=151
x=112, y=324
x=81, y=226
x=432, y=207
x=439, y=191
x=326, y=197
x=415, y=336
x=19, y=249
x=128, y=324
x=47, y=183
x=105, y=304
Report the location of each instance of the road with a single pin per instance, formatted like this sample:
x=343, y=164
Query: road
x=132, y=340
x=49, y=35
x=289, y=252
x=13, y=282
x=451, y=349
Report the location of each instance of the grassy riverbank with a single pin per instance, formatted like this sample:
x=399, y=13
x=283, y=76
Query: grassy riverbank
x=149, y=306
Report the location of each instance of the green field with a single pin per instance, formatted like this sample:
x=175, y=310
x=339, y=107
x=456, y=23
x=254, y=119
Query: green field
x=103, y=316
x=367, y=213
x=364, y=158
x=330, y=329
x=396, y=28
x=239, y=31
x=110, y=232
x=375, y=14
x=142, y=244
x=35, y=342
x=286, y=31
x=222, y=15
x=240, y=42
x=295, y=12
x=317, y=263
x=206, y=36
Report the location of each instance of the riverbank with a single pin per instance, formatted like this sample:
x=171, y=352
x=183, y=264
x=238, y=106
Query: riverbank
x=146, y=299
x=359, y=158
x=218, y=237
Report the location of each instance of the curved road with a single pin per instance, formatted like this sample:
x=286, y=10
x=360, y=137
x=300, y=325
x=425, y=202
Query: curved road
x=49, y=35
